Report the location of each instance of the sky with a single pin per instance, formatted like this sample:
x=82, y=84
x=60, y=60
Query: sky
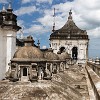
x=36, y=19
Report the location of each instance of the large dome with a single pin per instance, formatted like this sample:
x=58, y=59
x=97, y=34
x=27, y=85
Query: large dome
x=28, y=52
x=50, y=55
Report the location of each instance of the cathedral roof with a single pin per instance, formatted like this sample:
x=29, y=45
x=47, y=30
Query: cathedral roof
x=69, y=31
x=59, y=88
x=29, y=52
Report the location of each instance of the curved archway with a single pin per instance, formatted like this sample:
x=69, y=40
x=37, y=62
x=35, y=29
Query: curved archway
x=74, y=53
x=62, y=49
x=61, y=66
x=54, y=69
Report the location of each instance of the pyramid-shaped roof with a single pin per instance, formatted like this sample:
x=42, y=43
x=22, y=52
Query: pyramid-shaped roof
x=69, y=30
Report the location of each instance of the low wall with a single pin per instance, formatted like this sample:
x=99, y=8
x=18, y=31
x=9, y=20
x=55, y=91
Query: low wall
x=95, y=68
x=94, y=81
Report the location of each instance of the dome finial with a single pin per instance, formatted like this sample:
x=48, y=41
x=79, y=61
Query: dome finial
x=54, y=21
x=29, y=41
x=70, y=14
x=3, y=8
x=10, y=5
x=38, y=44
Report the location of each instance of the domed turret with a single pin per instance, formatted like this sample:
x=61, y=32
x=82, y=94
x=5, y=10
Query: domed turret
x=29, y=50
x=9, y=19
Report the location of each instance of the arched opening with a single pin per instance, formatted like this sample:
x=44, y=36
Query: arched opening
x=62, y=49
x=61, y=66
x=40, y=72
x=74, y=53
x=24, y=71
x=54, y=69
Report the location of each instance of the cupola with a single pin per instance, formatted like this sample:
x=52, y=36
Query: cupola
x=29, y=41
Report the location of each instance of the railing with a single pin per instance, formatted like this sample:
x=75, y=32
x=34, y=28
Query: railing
x=94, y=81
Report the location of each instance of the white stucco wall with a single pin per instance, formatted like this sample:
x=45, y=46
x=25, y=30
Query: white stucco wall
x=82, y=46
x=2, y=55
x=7, y=49
x=11, y=46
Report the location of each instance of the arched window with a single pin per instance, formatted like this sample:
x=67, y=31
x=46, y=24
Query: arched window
x=74, y=53
x=24, y=71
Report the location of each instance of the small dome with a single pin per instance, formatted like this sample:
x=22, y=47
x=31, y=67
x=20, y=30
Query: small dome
x=28, y=52
x=50, y=55
x=64, y=56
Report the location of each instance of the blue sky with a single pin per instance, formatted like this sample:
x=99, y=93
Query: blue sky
x=36, y=19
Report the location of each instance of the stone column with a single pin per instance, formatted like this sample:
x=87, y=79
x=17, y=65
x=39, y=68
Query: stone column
x=61, y=67
x=30, y=72
x=66, y=66
x=51, y=69
x=19, y=72
x=46, y=67
x=16, y=72
x=58, y=67
x=40, y=73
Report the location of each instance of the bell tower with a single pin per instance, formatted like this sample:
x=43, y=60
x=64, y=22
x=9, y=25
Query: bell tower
x=70, y=39
x=8, y=30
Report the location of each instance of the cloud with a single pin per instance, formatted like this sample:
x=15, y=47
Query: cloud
x=88, y=4
x=20, y=22
x=44, y=1
x=37, y=1
x=36, y=29
x=94, y=32
x=3, y=1
x=26, y=1
x=44, y=47
x=46, y=20
x=25, y=10
x=86, y=15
